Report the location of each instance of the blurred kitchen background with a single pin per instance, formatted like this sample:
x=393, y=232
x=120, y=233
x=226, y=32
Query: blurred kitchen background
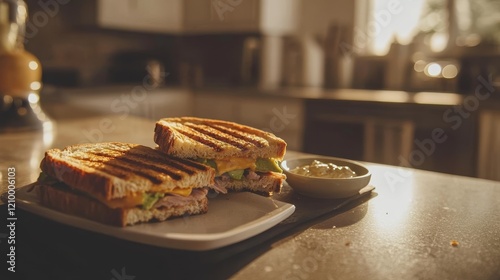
x=403, y=82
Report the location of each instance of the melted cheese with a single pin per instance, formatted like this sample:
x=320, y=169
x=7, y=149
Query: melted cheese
x=225, y=165
x=182, y=192
x=128, y=201
x=137, y=199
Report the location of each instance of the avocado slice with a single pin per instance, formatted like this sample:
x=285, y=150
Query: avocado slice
x=209, y=162
x=236, y=174
x=266, y=165
x=149, y=199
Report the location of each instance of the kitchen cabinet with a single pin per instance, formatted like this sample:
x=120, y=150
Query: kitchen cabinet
x=126, y=101
x=269, y=17
x=283, y=117
x=489, y=150
x=429, y=137
x=143, y=15
x=275, y=17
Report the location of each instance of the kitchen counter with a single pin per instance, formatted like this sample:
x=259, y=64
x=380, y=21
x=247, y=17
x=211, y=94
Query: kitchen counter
x=355, y=95
x=415, y=225
x=486, y=93
x=304, y=93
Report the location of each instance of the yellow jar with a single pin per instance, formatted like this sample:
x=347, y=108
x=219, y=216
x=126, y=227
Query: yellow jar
x=20, y=73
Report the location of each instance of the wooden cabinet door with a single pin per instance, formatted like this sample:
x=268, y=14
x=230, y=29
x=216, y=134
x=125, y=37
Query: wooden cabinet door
x=141, y=15
x=221, y=15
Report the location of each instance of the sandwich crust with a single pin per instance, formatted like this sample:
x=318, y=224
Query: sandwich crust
x=190, y=137
x=73, y=203
x=114, y=170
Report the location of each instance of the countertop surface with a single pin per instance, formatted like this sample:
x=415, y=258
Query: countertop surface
x=305, y=93
x=358, y=95
x=414, y=225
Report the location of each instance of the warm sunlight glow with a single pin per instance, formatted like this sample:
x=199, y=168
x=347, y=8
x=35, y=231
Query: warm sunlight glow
x=33, y=65
x=33, y=98
x=433, y=69
x=439, y=42
x=448, y=99
x=391, y=20
x=35, y=85
x=450, y=71
x=419, y=66
x=393, y=204
x=21, y=10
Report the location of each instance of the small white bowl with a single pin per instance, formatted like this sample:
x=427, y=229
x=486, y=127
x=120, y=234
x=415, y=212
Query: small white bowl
x=326, y=187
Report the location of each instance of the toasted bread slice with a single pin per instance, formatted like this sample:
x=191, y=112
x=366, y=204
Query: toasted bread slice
x=114, y=170
x=190, y=137
x=73, y=203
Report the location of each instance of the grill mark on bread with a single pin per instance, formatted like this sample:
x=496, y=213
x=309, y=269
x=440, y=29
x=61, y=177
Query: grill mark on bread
x=142, y=154
x=114, y=168
x=137, y=164
x=193, y=164
x=158, y=159
x=159, y=164
x=256, y=141
x=166, y=163
x=200, y=138
x=224, y=137
x=130, y=166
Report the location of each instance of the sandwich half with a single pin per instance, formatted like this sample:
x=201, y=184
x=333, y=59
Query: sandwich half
x=122, y=184
x=245, y=158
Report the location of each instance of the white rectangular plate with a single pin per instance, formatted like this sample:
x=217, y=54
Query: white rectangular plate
x=231, y=218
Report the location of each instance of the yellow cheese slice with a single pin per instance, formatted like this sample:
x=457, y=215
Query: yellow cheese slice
x=225, y=165
x=182, y=192
x=128, y=201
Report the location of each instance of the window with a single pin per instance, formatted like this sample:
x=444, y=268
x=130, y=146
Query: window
x=442, y=23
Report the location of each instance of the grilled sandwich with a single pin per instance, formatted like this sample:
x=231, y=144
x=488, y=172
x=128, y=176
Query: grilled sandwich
x=122, y=184
x=244, y=158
